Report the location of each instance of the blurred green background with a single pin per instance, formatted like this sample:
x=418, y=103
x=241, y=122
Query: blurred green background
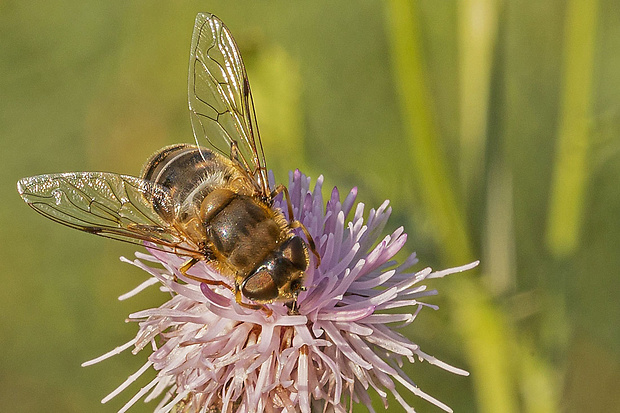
x=493, y=127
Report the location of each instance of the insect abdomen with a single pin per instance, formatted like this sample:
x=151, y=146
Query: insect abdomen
x=190, y=173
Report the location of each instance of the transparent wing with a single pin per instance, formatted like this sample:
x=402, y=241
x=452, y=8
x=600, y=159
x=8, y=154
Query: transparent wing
x=114, y=206
x=220, y=100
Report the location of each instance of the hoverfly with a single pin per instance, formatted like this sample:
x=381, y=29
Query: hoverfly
x=210, y=201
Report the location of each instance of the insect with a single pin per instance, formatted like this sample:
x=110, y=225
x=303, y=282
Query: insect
x=208, y=202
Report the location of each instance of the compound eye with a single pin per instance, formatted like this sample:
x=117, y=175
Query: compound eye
x=294, y=250
x=260, y=286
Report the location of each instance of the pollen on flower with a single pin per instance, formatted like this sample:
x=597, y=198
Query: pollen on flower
x=212, y=355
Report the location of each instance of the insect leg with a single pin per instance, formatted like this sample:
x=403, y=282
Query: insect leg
x=239, y=297
x=282, y=188
x=312, y=245
x=189, y=264
x=295, y=223
x=292, y=307
x=236, y=290
x=185, y=267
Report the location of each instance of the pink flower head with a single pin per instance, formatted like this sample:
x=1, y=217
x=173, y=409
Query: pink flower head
x=213, y=355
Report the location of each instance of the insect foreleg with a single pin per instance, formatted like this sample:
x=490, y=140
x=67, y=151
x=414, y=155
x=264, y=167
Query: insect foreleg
x=311, y=244
x=236, y=290
x=282, y=188
x=295, y=223
x=239, y=298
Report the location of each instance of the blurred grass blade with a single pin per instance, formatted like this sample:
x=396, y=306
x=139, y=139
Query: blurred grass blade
x=437, y=190
x=571, y=173
x=482, y=326
x=490, y=344
x=477, y=36
x=499, y=246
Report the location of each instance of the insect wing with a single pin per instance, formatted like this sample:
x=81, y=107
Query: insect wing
x=110, y=205
x=220, y=100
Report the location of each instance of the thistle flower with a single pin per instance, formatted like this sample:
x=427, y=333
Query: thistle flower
x=212, y=355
